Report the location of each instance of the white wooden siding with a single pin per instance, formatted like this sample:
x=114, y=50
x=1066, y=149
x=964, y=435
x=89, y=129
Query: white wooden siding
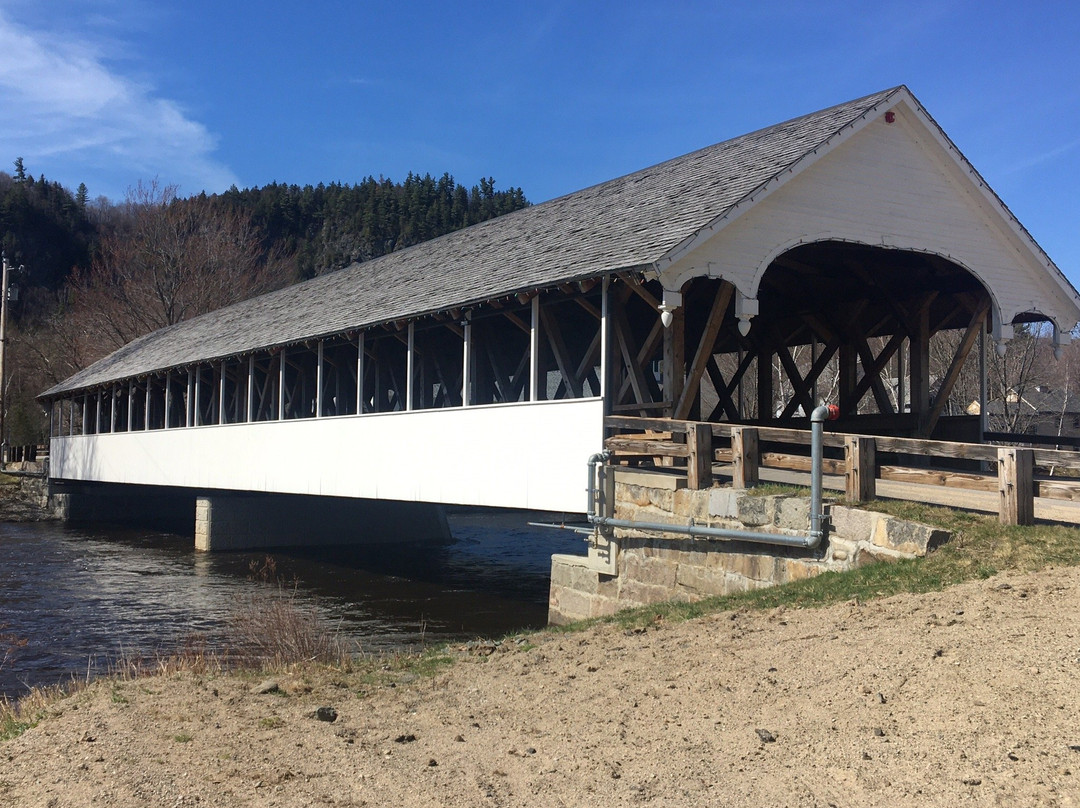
x=511, y=455
x=889, y=185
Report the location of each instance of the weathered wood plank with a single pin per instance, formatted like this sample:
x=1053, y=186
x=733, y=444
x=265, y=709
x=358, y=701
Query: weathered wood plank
x=650, y=448
x=705, y=348
x=1015, y=486
x=860, y=460
x=779, y=460
x=745, y=450
x=949, y=479
x=699, y=457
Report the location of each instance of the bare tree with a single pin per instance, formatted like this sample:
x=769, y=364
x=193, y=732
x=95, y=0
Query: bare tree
x=167, y=260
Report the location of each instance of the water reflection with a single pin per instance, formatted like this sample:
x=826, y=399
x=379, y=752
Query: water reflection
x=82, y=597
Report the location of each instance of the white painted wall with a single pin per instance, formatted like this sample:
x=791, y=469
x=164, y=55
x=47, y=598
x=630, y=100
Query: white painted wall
x=888, y=185
x=529, y=455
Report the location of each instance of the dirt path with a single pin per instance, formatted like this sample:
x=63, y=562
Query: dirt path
x=966, y=697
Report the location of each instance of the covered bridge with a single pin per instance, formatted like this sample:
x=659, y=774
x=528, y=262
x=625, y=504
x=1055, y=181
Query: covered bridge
x=742, y=282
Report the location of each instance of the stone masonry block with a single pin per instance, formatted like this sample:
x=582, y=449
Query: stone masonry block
x=652, y=571
x=635, y=593
x=724, y=503
x=757, y=511
x=691, y=504
x=566, y=605
x=793, y=513
x=700, y=581
x=576, y=576
x=852, y=523
x=911, y=538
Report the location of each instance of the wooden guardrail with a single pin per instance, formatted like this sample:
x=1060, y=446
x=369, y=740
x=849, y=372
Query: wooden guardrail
x=1017, y=483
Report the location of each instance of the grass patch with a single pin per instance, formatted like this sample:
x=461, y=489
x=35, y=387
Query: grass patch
x=273, y=722
x=980, y=548
x=182, y=737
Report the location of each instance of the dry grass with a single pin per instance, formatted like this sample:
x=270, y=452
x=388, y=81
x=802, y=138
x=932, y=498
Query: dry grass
x=272, y=629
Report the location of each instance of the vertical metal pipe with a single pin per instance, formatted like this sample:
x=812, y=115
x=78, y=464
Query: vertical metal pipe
x=131, y=405
x=189, y=406
x=146, y=410
x=85, y=412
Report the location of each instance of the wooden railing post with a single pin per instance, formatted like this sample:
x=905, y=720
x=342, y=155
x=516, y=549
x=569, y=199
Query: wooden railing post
x=1016, y=490
x=860, y=468
x=699, y=461
x=745, y=456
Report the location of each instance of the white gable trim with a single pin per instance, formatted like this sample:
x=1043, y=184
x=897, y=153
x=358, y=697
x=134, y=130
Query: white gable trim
x=775, y=182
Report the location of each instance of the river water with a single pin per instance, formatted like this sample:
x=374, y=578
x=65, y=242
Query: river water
x=81, y=597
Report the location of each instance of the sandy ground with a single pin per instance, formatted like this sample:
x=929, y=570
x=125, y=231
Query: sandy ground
x=966, y=697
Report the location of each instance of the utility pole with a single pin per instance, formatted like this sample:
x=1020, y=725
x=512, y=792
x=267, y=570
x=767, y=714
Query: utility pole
x=3, y=351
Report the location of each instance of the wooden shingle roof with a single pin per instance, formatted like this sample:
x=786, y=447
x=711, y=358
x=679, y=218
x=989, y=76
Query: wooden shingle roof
x=628, y=223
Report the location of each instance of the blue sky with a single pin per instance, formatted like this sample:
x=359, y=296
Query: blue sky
x=551, y=97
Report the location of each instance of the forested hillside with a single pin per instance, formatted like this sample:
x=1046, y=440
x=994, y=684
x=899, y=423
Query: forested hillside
x=94, y=274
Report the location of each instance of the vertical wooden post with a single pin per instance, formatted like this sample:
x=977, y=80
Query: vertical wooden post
x=168, y=398
x=699, y=463
x=1016, y=489
x=849, y=379
x=745, y=455
x=466, y=363
x=919, y=366
x=319, y=380
x=765, y=411
x=281, y=385
x=860, y=468
x=534, y=350
x=360, y=397
x=250, y=415
x=606, y=365
x=674, y=368
x=410, y=366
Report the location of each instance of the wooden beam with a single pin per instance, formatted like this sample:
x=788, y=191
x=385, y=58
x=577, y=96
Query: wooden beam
x=978, y=321
x=704, y=349
x=699, y=457
x=860, y=460
x=558, y=349
x=1016, y=492
x=745, y=456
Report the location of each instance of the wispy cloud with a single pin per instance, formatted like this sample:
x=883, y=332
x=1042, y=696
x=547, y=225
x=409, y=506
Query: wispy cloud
x=1043, y=157
x=64, y=110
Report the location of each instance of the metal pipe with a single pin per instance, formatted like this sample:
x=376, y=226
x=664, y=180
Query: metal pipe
x=809, y=541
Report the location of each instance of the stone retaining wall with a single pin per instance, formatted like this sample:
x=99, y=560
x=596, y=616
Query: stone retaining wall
x=24, y=497
x=651, y=568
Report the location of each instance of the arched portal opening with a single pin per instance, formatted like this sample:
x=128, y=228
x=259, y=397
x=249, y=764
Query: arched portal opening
x=891, y=336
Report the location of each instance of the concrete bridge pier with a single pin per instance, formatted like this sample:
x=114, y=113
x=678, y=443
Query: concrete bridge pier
x=247, y=521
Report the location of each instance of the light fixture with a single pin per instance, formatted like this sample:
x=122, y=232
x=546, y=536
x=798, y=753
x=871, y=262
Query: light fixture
x=744, y=325
x=1000, y=347
x=666, y=314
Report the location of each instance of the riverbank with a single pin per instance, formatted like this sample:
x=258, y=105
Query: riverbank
x=24, y=497
x=966, y=696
